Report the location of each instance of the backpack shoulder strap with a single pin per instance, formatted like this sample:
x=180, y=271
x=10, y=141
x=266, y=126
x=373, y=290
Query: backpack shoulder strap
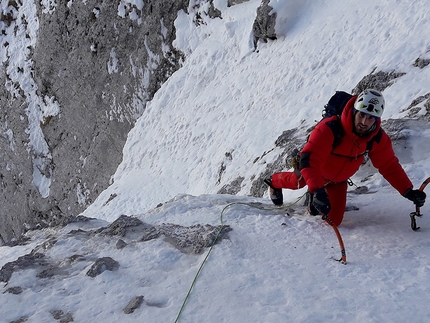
x=376, y=138
x=336, y=128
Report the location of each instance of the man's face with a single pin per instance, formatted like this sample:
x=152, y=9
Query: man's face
x=363, y=122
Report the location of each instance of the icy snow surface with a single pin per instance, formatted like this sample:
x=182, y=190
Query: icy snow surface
x=276, y=265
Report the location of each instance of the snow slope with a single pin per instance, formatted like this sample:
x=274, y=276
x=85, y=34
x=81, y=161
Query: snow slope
x=277, y=265
x=229, y=99
x=273, y=268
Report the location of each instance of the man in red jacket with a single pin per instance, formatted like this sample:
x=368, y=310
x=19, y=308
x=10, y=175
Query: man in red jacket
x=334, y=152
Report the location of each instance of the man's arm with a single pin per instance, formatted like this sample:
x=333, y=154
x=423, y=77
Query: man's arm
x=384, y=159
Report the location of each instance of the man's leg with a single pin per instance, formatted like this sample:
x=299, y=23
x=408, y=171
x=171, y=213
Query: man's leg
x=337, y=196
x=278, y=181
x=287, y=180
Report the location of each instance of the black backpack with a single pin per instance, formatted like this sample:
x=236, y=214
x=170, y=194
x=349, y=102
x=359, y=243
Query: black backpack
x=335, y=105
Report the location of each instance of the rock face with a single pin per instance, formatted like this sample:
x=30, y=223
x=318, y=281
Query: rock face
x=69, y=102
x=264, y=24
x=193, y=239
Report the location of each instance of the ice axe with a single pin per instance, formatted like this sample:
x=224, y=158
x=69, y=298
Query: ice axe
x=417, y=208
x=339, y=238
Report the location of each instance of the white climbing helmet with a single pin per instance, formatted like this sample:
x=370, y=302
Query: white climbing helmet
x=371, y=102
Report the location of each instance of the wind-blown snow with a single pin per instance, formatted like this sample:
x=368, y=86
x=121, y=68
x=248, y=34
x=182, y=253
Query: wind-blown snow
x=229, y=99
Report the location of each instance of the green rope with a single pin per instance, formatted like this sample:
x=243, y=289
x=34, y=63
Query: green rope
x=216, y=238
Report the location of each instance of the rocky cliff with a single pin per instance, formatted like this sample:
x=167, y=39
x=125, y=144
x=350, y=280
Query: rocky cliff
x=75, y=77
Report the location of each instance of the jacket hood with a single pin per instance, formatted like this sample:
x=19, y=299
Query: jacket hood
x=347, y=120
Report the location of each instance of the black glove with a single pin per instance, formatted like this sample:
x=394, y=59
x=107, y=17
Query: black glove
x=416, y=196
x=321, y=201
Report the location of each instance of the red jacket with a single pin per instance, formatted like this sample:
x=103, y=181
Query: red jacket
x=320, y=162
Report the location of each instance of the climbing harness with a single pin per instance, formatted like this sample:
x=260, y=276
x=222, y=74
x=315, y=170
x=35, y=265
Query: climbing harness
x=417, y=208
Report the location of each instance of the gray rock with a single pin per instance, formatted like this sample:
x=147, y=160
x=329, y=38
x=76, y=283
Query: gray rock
x=27, y=261
x=101, y=265
x=264, y=24
x=21, y=320
x=61, y=316
x=119, y=226
x=134, y=304
x=150, y=233
x=231, y=3
x=195, y=238
x=378, y=81
x=14, y=290
x=232, y=188
x=413, y=109
x=421, y=62
x=84, y=55
x=120, y=244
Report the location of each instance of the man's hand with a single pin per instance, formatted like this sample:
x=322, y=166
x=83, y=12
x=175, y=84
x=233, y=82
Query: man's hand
x=416, y=196
x=321, y=201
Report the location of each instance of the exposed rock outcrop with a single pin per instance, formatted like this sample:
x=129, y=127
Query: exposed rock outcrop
x=264, y=24
x=94, y=255
x=71, y=99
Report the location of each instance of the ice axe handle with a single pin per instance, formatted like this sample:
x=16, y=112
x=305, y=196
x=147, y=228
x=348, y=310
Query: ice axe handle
x=417, y=208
